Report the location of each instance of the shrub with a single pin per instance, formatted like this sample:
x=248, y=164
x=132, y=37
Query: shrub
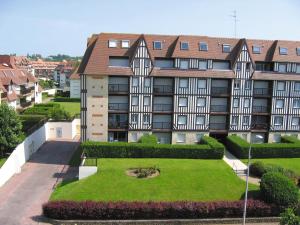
x=50, y=105
x=148, y=138
x=257, y=169
x=66, y=99
x=239, y=147
x=89, y=210
x=288, y=217
x=278, y=189
x=59, y=114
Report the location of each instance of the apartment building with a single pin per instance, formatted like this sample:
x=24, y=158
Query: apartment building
x=183, y=87
x=62, y=75
x=43, y=69
x=19, y=88
x=75, y=85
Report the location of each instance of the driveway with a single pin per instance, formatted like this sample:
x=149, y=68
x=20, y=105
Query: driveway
x=21, y=198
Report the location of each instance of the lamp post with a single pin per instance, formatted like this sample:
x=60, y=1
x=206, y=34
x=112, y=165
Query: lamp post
x=247, y=177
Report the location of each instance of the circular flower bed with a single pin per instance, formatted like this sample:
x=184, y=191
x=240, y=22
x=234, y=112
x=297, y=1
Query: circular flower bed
x=149, y=172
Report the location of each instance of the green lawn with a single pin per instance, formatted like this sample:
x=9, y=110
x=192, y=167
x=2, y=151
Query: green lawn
x=71, y=107
x=288, y=163
x=2, y=161
x=180, y=179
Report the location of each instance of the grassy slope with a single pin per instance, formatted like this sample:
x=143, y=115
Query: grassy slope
x=288, y=163
x=180, y=179
x=2, y=161
x=72, y=107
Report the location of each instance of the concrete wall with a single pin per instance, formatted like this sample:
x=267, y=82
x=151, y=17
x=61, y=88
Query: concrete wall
x=275, y=136
x=190, y=137
x=68, y=129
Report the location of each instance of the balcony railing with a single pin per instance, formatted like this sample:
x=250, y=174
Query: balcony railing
x=261, y=91
x=118, y=125
x=161, y=125
x=118, y=106
x=260, y=126
x=260, y=109
x=163, y=89
x=220, y=90
x=25, y=104
x=218, y=108
x=217, y=126
x=24, y=91
x=117, y=88
x=162, y=107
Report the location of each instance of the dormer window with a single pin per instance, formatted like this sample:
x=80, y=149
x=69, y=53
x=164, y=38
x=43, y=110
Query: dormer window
x=112, y=43
x=226, y=48
x=203, y=46
x=298, y=51
x=256, y=49
x=125, y=44
x=184, y=46
x=157, y=45
x=283, y=51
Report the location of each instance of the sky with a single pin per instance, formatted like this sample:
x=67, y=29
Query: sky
x=51, y=27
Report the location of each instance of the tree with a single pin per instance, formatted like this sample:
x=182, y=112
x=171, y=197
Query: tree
x=10, y=129
x=288, y=217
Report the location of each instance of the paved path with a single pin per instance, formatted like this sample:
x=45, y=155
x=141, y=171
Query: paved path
x=22, y=196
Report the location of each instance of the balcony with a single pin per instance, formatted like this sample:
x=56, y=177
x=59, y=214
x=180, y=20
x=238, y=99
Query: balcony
x=117, y=125
x=118, y=88
x=163, y=89
x=260, y=126
x=25, y=104
x=217, y=126
x=162, y=125
x=118, y=106
x=218, y=108
x=24, y=91
x=262, y=91
x=260, y=109
x=162, y=107
x=220, y=90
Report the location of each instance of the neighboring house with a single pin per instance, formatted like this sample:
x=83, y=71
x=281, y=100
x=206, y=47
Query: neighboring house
x=43, y=69
x=75, y=85
x=20, y=88
x=182, y=87
x=62, y=75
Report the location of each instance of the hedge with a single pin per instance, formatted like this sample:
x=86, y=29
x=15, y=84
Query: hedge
x=66, y=99
x=41, y=109
x=89, y=210
x=148, y=139
x=210, y=150
x=289, y=148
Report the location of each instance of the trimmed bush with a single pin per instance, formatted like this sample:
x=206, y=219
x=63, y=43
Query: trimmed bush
x=239, y=147
x=211, y=150
x=41, y=109
x=278, y=189
x=257, y=169
x=149, y=139
x=89, y=210
x=66, y=99
x=59, y=114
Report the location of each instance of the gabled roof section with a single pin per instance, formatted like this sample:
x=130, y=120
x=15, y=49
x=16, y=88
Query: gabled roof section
x=292, y=54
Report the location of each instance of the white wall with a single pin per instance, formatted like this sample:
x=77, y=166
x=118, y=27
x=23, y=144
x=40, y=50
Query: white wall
x=75, y=88
x=32, y=143
x=50, y=91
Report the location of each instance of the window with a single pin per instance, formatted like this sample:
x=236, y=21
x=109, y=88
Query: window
x=245, y=120
x=112, y=43
x=201, y=84
x=202, y=64
x=135, y=82
x=183, y=83
x=180, y=138
x=182, y=120
x=146, y=101
x=147, y=63
x=283, y=51
x=183, y=102
x=203, y=46
x=256, y=49
x=247, y=84
x=278, y=120
x=157, y=45
x=134, y=118
x=280, y=86
x=119, y=61
x=295, y=121
x=237, y=84
x=298, y=68
x=276, y=138
x=184, y=64
x=296, y=103
x=184, y=46
x=263, y=66
x=247, y=103
x=221, y=65
x=226, y=48
x=248, y=66
x=236, y=102
x=164, y=63
x=147, y=82
x=298, y=51
x=201, y=102
x=279, y=103
x=238, y=66
x=135, y=100
x=125, y=44
x=297, y=86
x=146, y=119
x=200, y=120
x=282, y=67
x=199, y=137
x=235, y=120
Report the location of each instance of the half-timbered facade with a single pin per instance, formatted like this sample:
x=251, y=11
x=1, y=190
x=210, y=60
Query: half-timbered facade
x=183, y=87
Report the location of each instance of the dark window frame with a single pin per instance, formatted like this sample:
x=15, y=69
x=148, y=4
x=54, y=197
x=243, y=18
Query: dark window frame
x=283, y=53
x=157, y=42
x=256, y=47
x=224, y=47
x=183, y=43
x=203, y=44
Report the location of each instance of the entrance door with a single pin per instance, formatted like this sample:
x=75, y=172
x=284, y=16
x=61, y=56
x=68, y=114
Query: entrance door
x=58, y=132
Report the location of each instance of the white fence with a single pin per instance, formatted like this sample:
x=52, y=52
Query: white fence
x=22, y=153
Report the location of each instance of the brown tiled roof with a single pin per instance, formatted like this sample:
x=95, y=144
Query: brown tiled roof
x=75, y=76
x=2, y=88
x=12, y=96
x=258, y=75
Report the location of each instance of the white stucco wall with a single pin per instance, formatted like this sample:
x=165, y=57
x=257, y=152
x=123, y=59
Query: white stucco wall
x=75, y=88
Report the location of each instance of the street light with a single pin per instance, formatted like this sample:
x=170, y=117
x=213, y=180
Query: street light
x=247, y=177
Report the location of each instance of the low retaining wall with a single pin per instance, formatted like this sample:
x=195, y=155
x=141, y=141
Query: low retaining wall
x=266, y=220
